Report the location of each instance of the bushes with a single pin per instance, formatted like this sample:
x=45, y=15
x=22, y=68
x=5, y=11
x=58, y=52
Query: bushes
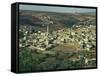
x=29, y=60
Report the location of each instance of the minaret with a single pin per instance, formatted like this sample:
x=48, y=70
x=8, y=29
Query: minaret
x=47, y=34
x=46, y=20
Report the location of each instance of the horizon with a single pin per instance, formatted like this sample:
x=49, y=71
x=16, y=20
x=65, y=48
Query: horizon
x=56, y=9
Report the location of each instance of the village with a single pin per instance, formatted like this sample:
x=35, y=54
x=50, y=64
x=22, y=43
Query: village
x=83, y=38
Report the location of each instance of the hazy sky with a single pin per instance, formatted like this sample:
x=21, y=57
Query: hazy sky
x=55, y=9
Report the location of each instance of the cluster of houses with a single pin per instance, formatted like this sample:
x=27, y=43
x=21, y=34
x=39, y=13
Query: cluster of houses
x=82, y=38
x=85, y=37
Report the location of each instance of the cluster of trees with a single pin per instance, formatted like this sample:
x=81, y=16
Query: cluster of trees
x=30, y=60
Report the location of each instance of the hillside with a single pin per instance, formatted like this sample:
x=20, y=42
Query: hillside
x=56, y=41
x=60, y=20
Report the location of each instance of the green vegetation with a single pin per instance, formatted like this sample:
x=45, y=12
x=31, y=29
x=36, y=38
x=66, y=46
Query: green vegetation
x=30, y=60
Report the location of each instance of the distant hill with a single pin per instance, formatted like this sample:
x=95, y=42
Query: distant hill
x=60, y=20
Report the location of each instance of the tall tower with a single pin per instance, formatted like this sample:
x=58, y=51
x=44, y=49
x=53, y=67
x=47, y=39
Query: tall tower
x=47, y=22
